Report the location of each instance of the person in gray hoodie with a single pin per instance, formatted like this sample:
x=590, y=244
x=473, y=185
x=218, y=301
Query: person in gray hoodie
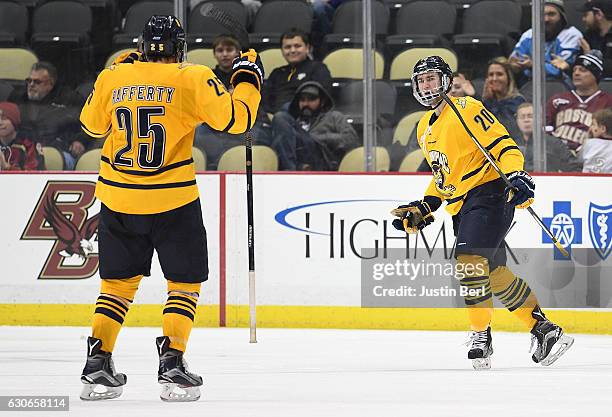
x=312, y=135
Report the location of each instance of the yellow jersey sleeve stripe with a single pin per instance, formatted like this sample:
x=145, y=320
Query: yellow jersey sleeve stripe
x=148, y=173
x=474, y=172
x=246, y=107
x=455, y=199
x=146, y=186
x=94, y=134
x=506, y=149
x=496, y=141
x=232, y=119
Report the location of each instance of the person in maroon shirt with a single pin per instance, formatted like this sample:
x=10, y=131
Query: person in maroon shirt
x=17, y=153
x=569, y=114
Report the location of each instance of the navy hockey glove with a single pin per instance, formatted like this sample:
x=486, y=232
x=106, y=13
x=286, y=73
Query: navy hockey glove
x=247, y=68
x=415, y=216
x=523, y=191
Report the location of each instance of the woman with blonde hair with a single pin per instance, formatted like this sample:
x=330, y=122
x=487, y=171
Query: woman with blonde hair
x=500, y=94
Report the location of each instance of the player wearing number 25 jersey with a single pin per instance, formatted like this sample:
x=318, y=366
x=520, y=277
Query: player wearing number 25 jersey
x=148, y=106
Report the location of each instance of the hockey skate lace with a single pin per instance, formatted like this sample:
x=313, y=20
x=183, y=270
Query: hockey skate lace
x=477, y=340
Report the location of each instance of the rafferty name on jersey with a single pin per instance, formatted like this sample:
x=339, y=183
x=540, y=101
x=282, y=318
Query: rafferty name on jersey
x=143, y=93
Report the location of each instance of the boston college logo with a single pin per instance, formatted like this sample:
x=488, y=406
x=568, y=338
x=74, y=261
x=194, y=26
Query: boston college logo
x=61, y=215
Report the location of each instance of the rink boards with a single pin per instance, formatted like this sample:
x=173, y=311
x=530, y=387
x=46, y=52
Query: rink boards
x=311, y=233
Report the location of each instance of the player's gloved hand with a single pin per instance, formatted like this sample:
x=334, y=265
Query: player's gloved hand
x=247, y=68
x=413, y=216
x=129, y=57
x=523, y=191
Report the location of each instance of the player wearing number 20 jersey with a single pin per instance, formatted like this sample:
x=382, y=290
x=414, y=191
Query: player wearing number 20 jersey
x=149, y=112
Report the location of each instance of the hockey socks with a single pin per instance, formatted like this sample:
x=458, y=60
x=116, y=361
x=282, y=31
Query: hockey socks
x=179, y=313
x=475, y=281
x=112, y=305
x=515, y=294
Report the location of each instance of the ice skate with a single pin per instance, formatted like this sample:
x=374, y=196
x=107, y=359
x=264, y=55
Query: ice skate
x=550, y=341
x=481, y=349
x=99, y=376
x=179, y=385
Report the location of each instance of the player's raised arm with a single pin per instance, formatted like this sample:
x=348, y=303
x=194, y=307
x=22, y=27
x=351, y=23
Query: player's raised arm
x=95, y=118
x=236, y=112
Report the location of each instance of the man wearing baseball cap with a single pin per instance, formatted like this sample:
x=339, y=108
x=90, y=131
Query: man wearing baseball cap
x=597, y=19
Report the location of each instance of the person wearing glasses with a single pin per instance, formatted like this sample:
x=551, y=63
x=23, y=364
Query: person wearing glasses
x=50, y=112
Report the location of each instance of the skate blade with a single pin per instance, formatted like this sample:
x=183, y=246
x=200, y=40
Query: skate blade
x=481, y=364
x=563, y=344
x=97, y=392
x=177, y=393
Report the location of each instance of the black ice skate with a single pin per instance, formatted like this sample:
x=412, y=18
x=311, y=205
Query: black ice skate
x=99, y=376
x=178, y=383
x=548, y=338
x=481, y=349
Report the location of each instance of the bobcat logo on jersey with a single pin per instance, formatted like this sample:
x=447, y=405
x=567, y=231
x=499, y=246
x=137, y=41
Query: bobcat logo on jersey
x=62, y=215
x=440, y=169
x=461, y=101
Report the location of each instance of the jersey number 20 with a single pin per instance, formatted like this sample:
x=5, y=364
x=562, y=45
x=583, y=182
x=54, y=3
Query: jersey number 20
x=485, y=119
x=148, y=156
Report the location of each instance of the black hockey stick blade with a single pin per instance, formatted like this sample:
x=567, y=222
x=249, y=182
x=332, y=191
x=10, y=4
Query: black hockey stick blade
x=229, y=22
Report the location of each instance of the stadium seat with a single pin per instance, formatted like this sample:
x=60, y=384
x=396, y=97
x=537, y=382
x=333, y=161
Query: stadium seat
x=5, y=90
x=60, y=34
x=203, y=29
x=16, y=63
x=403, y=64
x=552, y=87
x=276, y=17
x=202, y=57
x=272, y=59
x=486, y=29
x=54, y=160
x=354, y=160
x=347, y=63
x=199, y=159
x=136, y=18
x=85, y=88
x=405, y=126
x=89, y=161
x=606, y=85
x=422, y=23
x=13, y=23
x=264, y=159
x=411, y=162
x=347, y=27
x=350, y=101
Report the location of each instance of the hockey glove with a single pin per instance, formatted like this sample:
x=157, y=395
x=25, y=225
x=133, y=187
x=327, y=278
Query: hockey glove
x=247, y=68
x=413, y=216
x=523, y=191
x=129, y=57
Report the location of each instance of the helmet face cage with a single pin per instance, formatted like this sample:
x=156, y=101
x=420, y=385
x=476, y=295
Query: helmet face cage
x=432, y=64
x=164, y=37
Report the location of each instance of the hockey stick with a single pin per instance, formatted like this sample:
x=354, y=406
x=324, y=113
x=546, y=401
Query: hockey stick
x=503, y=176
x=239, y=32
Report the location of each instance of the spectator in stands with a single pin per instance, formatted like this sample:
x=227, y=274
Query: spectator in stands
x=597, y=19
x=597, y=150
x=225, y=49
x=280, y=87
x=17, y=152
x=558, y=156
x=562, y=44
x=50, y=113
x=462, y=87
x=500, y=95
x=311, y=135
x=214, y=143
x=569, y=114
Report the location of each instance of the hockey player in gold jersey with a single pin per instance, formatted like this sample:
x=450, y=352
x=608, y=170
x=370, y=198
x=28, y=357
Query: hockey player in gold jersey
x=482, y=209
x=147, y=106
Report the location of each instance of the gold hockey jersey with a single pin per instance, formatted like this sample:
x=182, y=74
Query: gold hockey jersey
x=456, y=163
x=148, y=112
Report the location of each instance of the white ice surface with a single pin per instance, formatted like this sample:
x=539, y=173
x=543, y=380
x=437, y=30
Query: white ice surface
x=336, y=373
